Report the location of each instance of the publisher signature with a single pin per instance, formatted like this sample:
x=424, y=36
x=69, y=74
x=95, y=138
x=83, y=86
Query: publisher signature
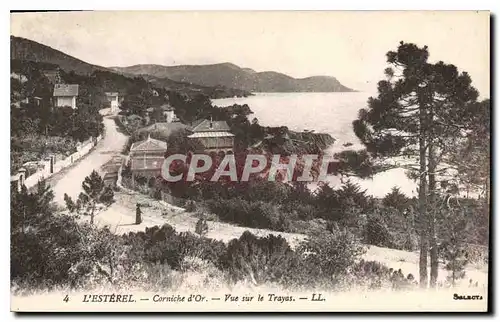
x=467, y=297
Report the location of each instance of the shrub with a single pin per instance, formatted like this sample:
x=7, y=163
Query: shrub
x=201, y=227
x=373, y=274
x=141, y=180
x=376, y=232
x=157, y=194
x=260, y=260
x=405, y=240
x=351, y=195
x=107, y=196
x=126, y=171
x=205, y=248
x=300, y=211
x=396, y=199
x=165, y=245
x=150, y=277
x=254, y=214
x=453, y=249
x=310, y=227
x=200, y=275
x=331, y=255
x=190, y=206
x=62, y=252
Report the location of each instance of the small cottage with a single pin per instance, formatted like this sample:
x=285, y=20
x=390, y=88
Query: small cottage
x=214, y=135
x=146, y=157
x=65, y=95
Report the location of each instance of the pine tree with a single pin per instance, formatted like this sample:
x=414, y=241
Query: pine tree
x=396, y=199
x=453, y=248
x=469, y=154
x=95, y=191
x=28, y=208
x=419, y=107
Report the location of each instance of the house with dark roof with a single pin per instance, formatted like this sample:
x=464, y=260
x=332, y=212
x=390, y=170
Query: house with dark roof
x=214, y=135
x=162, y=129
x=146, y=157
x=65, y=95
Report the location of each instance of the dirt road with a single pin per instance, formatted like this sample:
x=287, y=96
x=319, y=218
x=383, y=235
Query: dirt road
x=70, y=181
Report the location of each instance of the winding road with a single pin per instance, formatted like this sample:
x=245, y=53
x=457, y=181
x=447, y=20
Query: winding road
x=70, y=180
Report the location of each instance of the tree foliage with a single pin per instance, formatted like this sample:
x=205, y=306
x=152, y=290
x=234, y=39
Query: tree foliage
x=420, y=110
x=396, y=199
x=94, y=192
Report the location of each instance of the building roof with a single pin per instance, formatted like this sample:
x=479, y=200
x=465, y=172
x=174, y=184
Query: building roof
x=66, y=90
x=149, y=145
x=164, y=107
x=218, y=134
x=211, y=126
x=163, y=128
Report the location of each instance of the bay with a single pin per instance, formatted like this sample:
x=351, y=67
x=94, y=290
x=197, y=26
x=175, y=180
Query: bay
x=330, y=113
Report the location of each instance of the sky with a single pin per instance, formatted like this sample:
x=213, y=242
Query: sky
x=350, y=46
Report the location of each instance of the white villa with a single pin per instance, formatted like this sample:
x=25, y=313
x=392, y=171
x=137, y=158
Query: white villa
x=114, y=99
x=65, y=95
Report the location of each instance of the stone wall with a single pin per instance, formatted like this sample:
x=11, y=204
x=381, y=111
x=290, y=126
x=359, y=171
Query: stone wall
x=57, y=165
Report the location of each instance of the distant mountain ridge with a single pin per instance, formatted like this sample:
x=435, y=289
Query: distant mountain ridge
x=25, y=49
x=22, y=49
x=233, y=76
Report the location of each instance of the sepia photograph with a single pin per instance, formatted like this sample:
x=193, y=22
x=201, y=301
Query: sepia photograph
x=250, y=161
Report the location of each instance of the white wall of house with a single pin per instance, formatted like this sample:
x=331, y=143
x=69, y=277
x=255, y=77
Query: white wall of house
x=169, y=115
x=66, y=101
x=113, y=99
x=114, y=103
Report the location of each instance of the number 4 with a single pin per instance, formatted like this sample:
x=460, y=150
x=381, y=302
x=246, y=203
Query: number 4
x=66, y=298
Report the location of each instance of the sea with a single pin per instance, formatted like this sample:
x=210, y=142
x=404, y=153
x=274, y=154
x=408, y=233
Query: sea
x=330, y=113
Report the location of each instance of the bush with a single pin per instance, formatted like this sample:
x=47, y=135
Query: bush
x=405, y=240
x=328, y=258
x=107, y=196
x=205, y=248
x=376, y=232
x=376, y=275
x=453, y=249
x=260, y=260
x=310, y=227
x=62, y=252
x=334, y=253
x=373, y=274
x=157, y=194
x=165, y=246
x=201, y=227
x=396, y=199
x=190, y=206
x=301, y=211
x=254, y=214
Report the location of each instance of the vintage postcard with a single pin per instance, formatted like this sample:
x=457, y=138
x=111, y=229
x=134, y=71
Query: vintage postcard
x=239, y=161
